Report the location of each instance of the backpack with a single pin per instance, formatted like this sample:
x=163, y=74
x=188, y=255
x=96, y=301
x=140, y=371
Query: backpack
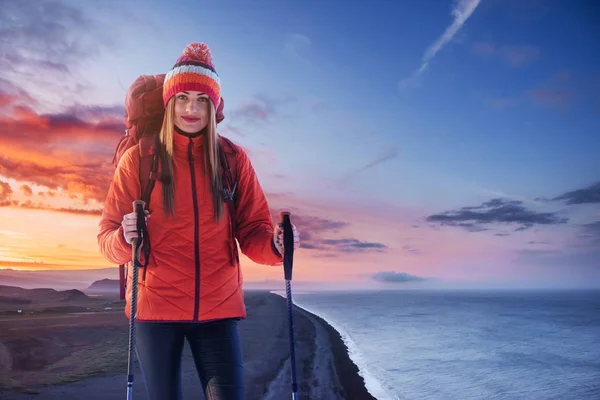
x=144, y=111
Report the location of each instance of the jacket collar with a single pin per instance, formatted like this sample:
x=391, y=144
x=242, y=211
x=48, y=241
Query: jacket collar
x=182, y=143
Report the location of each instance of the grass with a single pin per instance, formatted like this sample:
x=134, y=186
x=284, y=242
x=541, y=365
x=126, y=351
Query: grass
x=49, y=343
x=106, y=356
x=50, y=346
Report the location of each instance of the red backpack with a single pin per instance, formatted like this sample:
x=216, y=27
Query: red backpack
x=144, y=111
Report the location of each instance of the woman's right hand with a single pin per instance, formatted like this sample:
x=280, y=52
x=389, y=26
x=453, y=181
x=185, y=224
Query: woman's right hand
x=129, y=225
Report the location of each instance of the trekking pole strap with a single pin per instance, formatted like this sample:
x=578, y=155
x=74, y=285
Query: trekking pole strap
x=143, y=241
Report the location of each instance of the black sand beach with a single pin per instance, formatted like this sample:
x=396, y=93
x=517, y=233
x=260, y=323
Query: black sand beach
x=325, y=371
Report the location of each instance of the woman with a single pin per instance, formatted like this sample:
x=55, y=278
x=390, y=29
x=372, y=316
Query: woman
x=192, y=286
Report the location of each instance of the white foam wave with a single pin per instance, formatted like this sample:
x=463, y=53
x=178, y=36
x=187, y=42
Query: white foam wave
x=374, y=386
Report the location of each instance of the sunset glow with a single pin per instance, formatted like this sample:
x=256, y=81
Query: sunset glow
x=465, y=157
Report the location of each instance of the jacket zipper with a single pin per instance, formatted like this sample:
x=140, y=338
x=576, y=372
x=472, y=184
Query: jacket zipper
x=196, y=230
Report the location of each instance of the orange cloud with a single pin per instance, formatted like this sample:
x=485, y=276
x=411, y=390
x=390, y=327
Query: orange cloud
x=26, y=189
x=40, y=206
x=5, y=191
x=30, y=205
x=28, y=265
x=59, y=151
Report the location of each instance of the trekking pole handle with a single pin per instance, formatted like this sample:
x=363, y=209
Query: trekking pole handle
x=137, y=203
x=288, y=243
x=138, y=206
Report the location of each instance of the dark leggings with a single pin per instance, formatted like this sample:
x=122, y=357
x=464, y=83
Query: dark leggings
x=217, y=352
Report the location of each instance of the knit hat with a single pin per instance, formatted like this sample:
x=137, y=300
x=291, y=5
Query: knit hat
x=193, y=71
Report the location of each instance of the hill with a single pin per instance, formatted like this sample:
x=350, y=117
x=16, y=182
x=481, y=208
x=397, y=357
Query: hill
x=57, y=279
x=104, y=285
x=14, y=294
x=16, y=300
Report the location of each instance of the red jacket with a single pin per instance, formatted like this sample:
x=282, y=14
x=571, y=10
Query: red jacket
x=191, y=275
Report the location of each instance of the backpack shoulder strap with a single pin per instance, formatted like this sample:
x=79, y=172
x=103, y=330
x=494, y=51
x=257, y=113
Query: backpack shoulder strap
x=228, y=154
x=148, y=165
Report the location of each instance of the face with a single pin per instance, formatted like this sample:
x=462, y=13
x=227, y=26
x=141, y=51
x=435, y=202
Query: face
x=191, y=111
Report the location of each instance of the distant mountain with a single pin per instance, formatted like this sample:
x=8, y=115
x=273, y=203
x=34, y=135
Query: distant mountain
x=104, y=285
x=105, y=280
x=18, y=295
x=56, y=279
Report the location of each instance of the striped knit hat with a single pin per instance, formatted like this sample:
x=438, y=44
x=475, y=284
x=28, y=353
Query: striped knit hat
x=193, y=71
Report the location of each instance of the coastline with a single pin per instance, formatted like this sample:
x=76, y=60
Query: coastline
x=333, y=367
x=323, y=364
x=347, y=371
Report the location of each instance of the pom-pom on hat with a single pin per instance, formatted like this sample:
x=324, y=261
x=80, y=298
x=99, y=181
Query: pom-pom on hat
x=193, y=70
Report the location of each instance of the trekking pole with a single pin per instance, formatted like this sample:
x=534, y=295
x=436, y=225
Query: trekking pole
x=138, y=207
x=288, y=261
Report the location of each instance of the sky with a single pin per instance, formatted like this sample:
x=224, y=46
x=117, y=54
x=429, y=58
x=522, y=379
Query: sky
x=423, y=143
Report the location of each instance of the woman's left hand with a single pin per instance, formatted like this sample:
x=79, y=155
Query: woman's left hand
x=278, y=238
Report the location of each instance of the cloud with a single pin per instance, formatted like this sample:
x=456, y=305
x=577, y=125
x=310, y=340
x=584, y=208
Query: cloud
x=45, y=44
x=311, y=228
x=317, y=224
x=60, y=150
x=462, y=10
x=11, y=94
x=563, y=76
x=558, y=92
x=109, y=116
x=386, y=155
x=333, y=247
x=539, y=253
x=519, y=56
x=296, y=48
x=591, y=234
x=500, y=103
x=514, y=56
x=261, y=109
x=350, y=245
x=26, y=189
x=496, y=211
x=566, y=259
x=228, y=129
x=323, y=236
x=550, y=97
x=47, y=35
x=12, y=234
x=586, y=195
x=396, y=277
x=411, y=249
x=30, y=205
x=5, y=192
x=6, y=200
x=28, y=264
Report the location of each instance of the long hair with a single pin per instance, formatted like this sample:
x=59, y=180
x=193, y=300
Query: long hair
x=212, y=160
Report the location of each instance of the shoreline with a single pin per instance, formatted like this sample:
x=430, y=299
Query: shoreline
x=346, y=373
x=324, y=366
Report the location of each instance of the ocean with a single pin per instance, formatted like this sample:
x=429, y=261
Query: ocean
x=532, y=345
